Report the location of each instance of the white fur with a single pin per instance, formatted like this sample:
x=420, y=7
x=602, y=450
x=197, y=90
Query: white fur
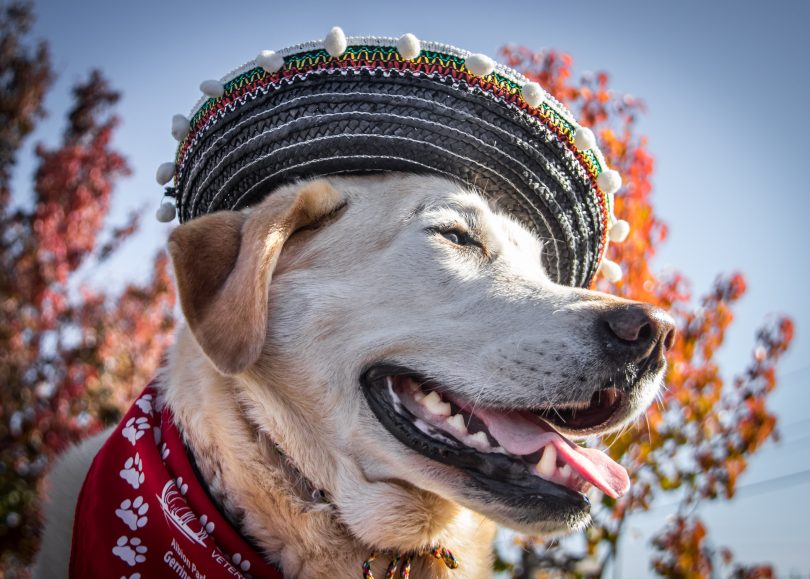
x=375, y=283
x=62, y=489
x=409, y=46
x=335, y=42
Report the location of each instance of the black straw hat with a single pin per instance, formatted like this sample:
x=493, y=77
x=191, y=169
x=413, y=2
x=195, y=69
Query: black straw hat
x=370, y=104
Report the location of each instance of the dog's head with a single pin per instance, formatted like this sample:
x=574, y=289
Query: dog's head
x=400, y=340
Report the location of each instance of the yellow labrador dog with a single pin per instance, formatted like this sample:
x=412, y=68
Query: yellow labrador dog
x=393, y=342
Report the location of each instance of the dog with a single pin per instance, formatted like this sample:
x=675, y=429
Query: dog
x=393, y=342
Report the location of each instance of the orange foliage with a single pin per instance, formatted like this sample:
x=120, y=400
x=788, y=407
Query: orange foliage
x=699, y=437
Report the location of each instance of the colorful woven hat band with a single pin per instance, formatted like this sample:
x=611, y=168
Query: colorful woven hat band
x=361, y=105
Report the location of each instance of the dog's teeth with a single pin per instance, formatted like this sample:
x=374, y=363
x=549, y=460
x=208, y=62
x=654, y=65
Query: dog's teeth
x=418, y=395
x=479, y=439
x=434, y=404
x=565, y=475
x=431, y=397
x=457, y=422
x=548, y=462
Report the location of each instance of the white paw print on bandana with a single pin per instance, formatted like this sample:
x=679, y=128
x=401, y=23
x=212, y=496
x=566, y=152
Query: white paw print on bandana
x=145, y=403
x=133, y=513
x=181, y=486
x=164, y=451
x=130, y=551
x=208, y=526
x=133, y=471
x=133, y=576
x=157, y=434
x=244, y=565
x=134, y=429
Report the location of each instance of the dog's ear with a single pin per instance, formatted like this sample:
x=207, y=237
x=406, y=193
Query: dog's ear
x=223, y=264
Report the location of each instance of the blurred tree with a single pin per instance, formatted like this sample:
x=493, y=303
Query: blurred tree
x=70, y=357
x=697, y=441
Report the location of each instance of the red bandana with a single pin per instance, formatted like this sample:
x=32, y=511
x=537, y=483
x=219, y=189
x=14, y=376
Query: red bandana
x=142, y=513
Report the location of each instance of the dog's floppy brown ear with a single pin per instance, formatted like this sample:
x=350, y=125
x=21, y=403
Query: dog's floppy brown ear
x=223, y=263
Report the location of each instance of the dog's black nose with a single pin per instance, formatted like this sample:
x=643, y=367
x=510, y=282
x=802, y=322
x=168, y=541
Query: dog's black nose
x=635, y=331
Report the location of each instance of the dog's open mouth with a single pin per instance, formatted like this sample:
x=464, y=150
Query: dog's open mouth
x=508, y=452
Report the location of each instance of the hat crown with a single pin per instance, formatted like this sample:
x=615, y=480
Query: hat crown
x=356, y=104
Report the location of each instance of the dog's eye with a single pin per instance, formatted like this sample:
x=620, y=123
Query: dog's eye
x=457, y=236
x=453, y=236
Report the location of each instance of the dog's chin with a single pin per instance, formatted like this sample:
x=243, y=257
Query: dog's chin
x=510, y=465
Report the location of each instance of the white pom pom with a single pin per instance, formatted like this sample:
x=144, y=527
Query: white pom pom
x=409, y=46
x=212, y=88
x=609, y=181
x=335, y=42
x=165, y=173
x=166, y=212
x=479, y=64
x=619, y=231
x=180, y=127
x=270, y=61
x=584, y=139
x=611, y=270
x=533, y=94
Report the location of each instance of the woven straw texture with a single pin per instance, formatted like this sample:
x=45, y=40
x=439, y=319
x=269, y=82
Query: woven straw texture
x=336, y=121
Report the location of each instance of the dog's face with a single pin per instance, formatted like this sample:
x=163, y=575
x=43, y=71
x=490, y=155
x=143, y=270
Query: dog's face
x=412, y=339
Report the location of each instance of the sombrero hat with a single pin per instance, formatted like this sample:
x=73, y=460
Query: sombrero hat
x=370, y=104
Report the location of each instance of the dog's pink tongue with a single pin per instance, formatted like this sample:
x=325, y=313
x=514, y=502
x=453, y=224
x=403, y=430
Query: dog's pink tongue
x=520, y=435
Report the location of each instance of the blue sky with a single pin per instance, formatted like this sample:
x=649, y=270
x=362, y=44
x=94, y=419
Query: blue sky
x=726, y=84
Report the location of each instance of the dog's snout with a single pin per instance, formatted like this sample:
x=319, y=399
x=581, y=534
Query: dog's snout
x=637, y=329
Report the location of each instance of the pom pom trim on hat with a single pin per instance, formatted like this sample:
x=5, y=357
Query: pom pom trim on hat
x=480, y=64
x=165, y=173
x=409, y=46
x=609, y=181
x=440, y=47
x=335, y=42
x=270, y=61
x=212, y=88
x=533, y=94
x=610, y=270
x=584, y=139
x=166, y=212
x=619, y=231
x=180, y=127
